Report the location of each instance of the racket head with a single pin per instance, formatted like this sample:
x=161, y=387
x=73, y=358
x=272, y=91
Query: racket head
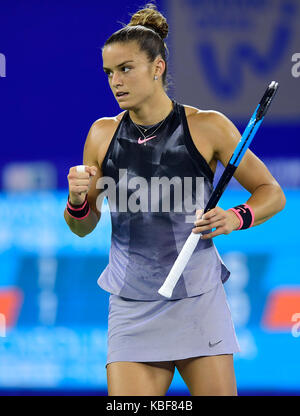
x=267, y=99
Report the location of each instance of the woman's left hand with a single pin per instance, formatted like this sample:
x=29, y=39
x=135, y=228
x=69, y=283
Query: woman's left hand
x=223, y=221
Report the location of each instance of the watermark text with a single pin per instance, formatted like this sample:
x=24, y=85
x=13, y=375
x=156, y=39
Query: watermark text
x=157, y=194
x=296, y=326
x=2, y=325
x=2, y=66
x=296, y=66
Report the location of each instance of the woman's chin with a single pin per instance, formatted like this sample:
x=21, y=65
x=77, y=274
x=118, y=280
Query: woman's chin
x=125, y=106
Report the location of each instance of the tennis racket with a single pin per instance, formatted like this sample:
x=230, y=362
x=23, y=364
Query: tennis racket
x=166, y=289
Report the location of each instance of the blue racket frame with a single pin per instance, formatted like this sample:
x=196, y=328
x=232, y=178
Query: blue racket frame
x=244, y=143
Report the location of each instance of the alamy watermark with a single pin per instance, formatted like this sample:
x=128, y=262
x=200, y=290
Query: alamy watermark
x=296, y=327
x=160, y=194
x=296, y=66
x=2, y=66
x=2, y=325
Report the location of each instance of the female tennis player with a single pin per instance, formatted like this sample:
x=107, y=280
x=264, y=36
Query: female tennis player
x=155, y=137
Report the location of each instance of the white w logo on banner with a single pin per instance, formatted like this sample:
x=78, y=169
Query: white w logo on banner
x=231, y=50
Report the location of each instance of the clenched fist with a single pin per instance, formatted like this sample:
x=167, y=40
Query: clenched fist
x=79, y=179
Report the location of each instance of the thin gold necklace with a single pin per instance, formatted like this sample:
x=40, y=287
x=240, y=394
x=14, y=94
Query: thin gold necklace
x=146, y=138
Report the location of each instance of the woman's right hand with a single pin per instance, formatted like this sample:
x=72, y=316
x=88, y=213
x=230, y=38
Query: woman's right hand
x=79, y=183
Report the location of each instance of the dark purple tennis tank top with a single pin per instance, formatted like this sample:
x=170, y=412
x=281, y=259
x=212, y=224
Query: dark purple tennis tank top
x=159, y=184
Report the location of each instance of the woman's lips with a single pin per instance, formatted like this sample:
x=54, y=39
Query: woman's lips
x=119, y=97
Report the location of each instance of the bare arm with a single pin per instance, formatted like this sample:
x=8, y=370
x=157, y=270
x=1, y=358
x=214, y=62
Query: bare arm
x=267, y=197
x=82, y=184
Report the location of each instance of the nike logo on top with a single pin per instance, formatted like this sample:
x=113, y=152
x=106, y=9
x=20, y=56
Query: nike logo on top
x=215, y=343
x=140, y=141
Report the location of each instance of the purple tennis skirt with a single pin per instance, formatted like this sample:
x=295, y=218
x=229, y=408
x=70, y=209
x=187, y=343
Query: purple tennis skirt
x=167, y=330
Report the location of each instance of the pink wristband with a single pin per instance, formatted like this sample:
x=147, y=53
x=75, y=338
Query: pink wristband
x=239, y=217
x=78, y=212
x=252, y=213
x=80, y=218
x=245, y=214
x=80, y=207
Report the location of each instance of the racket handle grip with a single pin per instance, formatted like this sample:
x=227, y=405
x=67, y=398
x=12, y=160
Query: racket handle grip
x=80, y=168
x=187, y=250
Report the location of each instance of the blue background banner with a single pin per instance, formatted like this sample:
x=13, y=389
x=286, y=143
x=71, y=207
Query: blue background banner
x=57, y=325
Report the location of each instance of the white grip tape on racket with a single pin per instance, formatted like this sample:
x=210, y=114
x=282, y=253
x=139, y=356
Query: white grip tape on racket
x=167, y=288
x=80, y=168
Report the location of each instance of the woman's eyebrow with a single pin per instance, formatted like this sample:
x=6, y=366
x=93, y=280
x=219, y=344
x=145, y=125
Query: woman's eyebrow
x=125, y=62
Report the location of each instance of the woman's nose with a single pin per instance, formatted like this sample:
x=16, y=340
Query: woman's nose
x=116, y=79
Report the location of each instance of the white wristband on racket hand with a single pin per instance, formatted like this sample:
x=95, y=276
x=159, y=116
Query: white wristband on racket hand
x=166, y=289
x=80, y=168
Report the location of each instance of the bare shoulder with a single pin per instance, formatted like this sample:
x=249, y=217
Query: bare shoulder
x=100, y=135
x=207, y=128
x=105, y=125
x=206, y=122
x=196, y=115
x=105, y=121
x=212, y=127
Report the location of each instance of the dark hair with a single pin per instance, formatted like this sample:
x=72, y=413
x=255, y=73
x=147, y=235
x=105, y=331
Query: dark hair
x=148, y=27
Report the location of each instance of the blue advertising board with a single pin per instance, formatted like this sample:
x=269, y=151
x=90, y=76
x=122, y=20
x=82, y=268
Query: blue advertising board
x=56, y=314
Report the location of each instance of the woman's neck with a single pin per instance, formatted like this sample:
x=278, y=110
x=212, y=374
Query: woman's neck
x=150, y=113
